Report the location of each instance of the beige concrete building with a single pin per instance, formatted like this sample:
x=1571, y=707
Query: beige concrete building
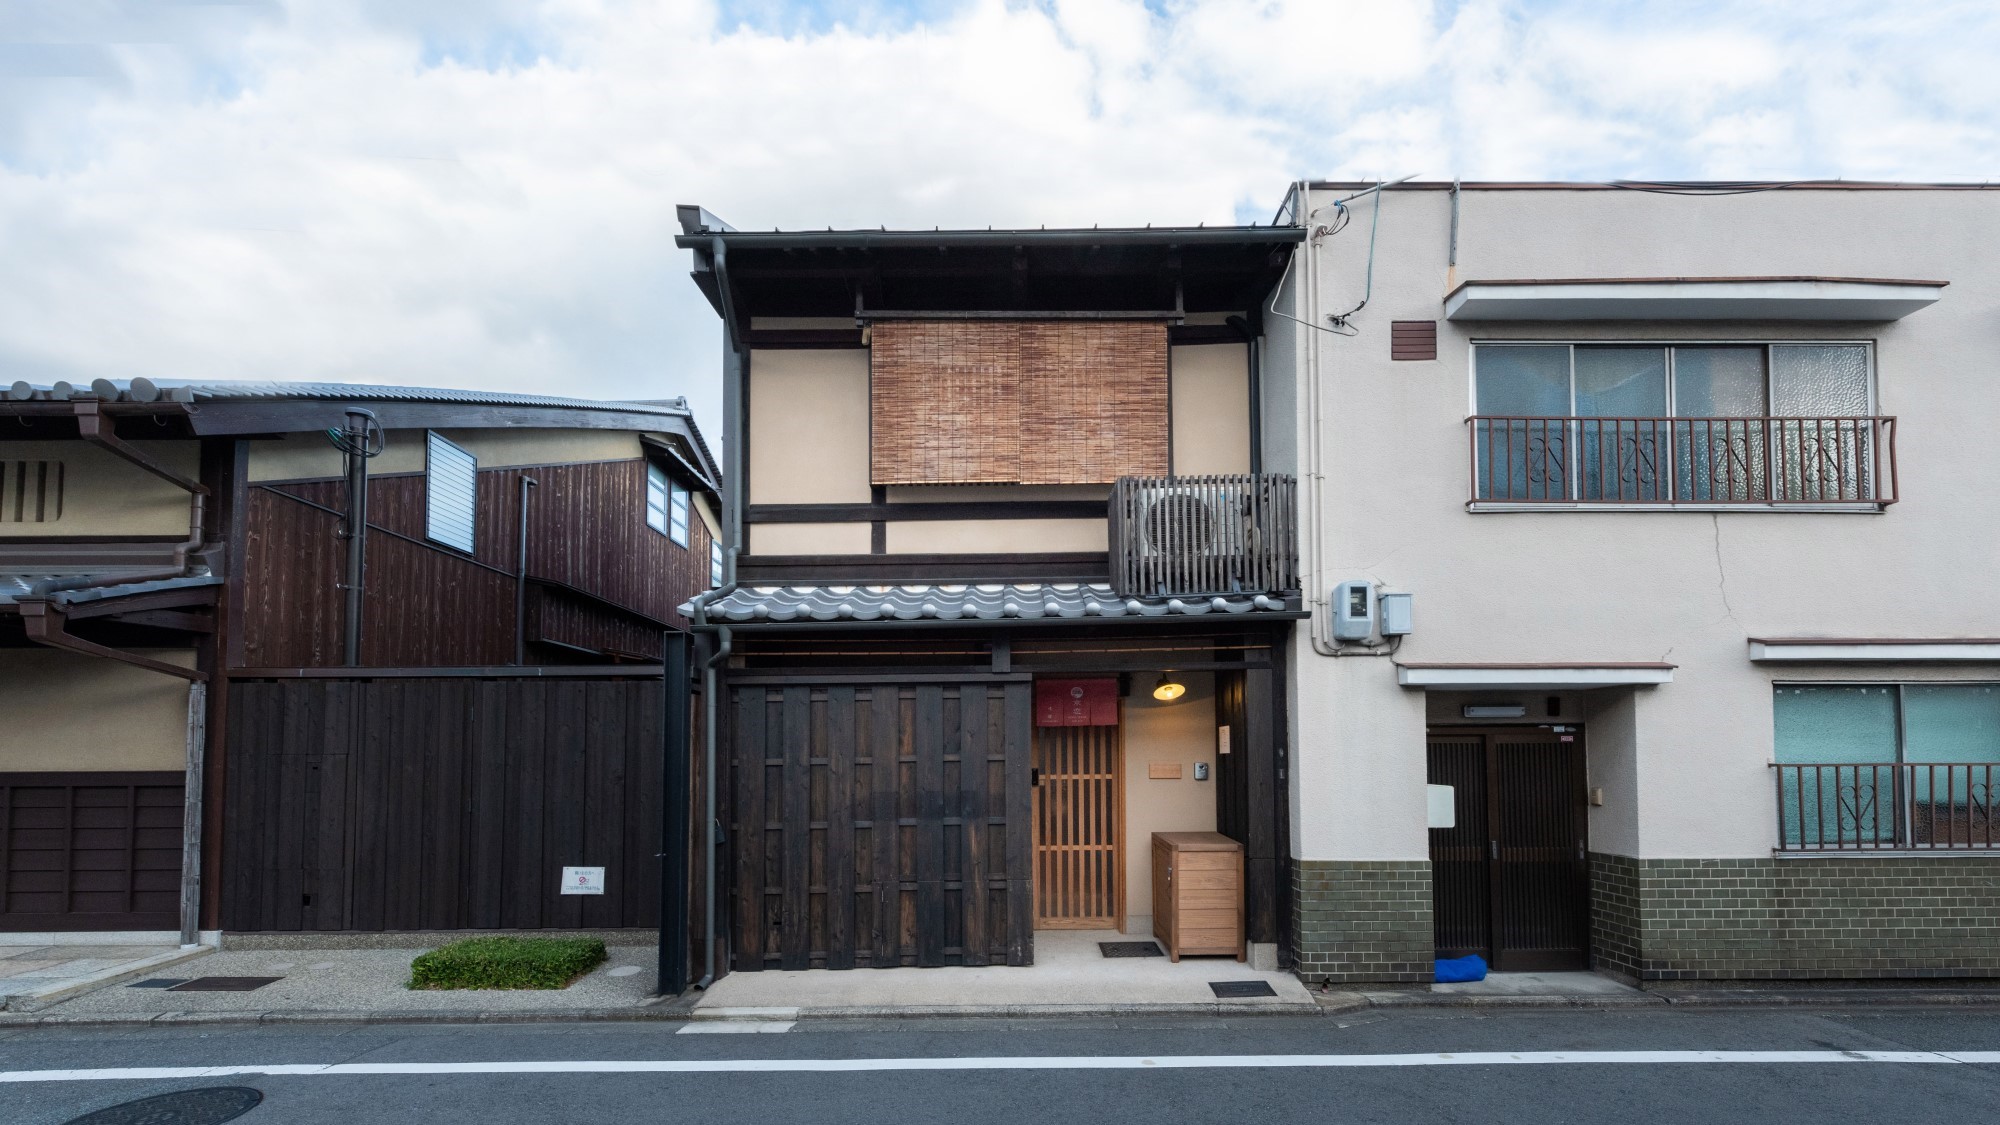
x=1691, y=491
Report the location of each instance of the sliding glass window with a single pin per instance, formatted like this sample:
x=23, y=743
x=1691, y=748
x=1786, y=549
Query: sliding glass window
x=1673, y=423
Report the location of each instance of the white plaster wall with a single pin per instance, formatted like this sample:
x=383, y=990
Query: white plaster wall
x=808, y=413
x=1181, y=732
x=68, y=712
x=1683, y=587
x=305, y=456
x=104, y=495
x=1211, y=408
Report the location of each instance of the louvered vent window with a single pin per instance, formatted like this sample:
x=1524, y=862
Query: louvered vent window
x=31, y=491
x=451, y=486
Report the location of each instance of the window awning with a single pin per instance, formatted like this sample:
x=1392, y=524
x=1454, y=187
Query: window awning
x=1878, y=650
x=1691, y=298
x=1533, y=676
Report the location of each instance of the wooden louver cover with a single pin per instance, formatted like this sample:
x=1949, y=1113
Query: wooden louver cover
x=1018, y=402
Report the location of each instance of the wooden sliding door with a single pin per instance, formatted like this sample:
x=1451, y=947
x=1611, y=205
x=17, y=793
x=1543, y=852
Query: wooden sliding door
x=1079, y=828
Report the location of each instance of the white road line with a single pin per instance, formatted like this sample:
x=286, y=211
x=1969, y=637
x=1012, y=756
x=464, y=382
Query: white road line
x=735, y=1027
x=1028, y=1062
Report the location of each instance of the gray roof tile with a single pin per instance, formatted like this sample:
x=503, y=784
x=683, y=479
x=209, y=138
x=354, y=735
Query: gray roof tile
x=970, y=603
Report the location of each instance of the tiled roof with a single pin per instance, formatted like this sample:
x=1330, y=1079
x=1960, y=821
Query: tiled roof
x=1045, y=601
x=76, y=590
x=146, y=390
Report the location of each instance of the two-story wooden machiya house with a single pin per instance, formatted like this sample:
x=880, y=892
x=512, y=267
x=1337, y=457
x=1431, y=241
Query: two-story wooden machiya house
x=1691, y=489
x=285, y=657
x=1008, y=589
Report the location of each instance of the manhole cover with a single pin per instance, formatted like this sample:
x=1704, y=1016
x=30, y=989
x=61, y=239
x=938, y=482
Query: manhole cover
x=159, y=982
x=224, y=984
x=207, y=1106
x=1228, y=989
x=1129, y=949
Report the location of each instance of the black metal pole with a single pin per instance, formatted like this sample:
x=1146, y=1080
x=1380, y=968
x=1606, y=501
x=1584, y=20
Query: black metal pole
x=357, y=436
x=674, y=815
x=521, y=579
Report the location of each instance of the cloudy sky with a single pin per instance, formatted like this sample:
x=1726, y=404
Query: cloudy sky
x=481, y=194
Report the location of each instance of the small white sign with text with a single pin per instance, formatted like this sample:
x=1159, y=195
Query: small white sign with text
x=583, y=881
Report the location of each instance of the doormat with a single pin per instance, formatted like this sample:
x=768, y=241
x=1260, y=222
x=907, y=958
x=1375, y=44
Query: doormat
x=159, y=982
x=1229, y=989
x=1130, y=949
x=224, y=984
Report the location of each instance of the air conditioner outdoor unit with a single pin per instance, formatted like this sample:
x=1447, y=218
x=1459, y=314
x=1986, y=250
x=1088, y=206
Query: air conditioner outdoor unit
x=1199, y=521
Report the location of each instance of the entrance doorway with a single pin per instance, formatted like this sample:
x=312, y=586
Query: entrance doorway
x=1079, y=828
x=1509, y=881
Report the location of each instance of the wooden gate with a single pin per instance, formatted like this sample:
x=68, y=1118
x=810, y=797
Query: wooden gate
x=1079, y=828
x=441, y=804
x=881, y=824
x=1510, y=881
x=90, y=851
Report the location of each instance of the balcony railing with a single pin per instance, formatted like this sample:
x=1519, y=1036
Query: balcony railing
x=1943, y=806
x=1666, y=462
x=1204, y=535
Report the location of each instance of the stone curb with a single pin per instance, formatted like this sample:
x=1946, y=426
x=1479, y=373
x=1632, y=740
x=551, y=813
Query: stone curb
x=36, y=999
x=1039, y=1011
x=645, y=1013
x=1656, y=1000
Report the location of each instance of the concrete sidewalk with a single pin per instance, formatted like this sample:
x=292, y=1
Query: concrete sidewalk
x=40, y=969
x=356, y=985
x=1070, y=976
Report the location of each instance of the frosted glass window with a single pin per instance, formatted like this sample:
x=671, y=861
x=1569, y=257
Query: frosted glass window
x=1621, y=382
x=1819, y=380
x=1951, y=723
x=1836, y=723
x=451, y=488
x=659, y=490
x=1725, y=382
x=1524, y=380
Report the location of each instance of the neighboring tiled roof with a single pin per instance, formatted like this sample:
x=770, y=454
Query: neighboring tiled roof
x=14, y=587
x=1048, y=601
x=145, y=390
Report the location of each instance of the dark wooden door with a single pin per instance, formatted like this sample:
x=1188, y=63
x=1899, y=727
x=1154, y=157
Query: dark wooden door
x=1510, y=881
x=877, y=825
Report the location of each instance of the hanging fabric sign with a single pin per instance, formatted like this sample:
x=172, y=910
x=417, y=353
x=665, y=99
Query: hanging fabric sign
x=1076, y=703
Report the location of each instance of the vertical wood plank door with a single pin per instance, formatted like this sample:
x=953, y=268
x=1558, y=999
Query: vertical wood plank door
x=1510, y=881
x=1079, y=829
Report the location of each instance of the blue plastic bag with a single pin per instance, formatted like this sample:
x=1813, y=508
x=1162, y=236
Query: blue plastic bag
x=1457, y=970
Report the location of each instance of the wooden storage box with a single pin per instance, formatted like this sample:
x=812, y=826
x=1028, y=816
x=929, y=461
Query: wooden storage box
x=1198, y=893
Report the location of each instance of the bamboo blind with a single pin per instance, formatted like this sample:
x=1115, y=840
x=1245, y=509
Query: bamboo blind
x=1018, y=402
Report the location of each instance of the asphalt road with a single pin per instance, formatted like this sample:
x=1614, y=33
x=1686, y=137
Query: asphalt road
x=1627, y=1067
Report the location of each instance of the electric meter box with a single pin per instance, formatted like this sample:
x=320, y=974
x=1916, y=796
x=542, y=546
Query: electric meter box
x=1395, y=611
x=1354, y=610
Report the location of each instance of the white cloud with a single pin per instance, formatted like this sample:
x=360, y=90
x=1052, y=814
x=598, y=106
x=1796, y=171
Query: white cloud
x=482, y=194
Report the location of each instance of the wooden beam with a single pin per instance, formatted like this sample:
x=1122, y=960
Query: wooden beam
x=45, y=627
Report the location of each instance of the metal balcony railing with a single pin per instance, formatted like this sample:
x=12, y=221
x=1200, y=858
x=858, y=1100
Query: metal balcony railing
x=1204, y=535
x=1945, y=806
x=1667, y=462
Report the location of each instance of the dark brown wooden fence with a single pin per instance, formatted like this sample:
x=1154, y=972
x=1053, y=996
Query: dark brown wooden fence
x=90, y=851
x=441, y=803
x=881, y=825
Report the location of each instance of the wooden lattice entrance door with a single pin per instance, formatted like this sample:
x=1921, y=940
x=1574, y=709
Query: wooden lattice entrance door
x=1079, y=828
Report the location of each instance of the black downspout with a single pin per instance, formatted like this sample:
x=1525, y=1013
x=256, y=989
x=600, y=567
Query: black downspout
x=672, y=977
x=521, y=579
x=357, y=436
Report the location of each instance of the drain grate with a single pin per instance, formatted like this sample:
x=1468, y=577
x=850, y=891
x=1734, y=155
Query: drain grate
x=159, y=982
x=1229, y=989
x=224, y=984
x=1129, y=949
x=210, y=1105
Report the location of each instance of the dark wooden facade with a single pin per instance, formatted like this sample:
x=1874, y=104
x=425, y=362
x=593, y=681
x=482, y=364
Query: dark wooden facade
x=442, y=804
x=882, y=824
x=859, y=837
x=90, y=851
x=599, y=582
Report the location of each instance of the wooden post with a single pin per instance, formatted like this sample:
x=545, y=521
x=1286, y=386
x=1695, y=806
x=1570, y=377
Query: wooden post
x=197, y=738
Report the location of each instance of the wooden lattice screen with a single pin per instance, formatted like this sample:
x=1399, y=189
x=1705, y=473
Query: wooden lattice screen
x=1018, y=402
